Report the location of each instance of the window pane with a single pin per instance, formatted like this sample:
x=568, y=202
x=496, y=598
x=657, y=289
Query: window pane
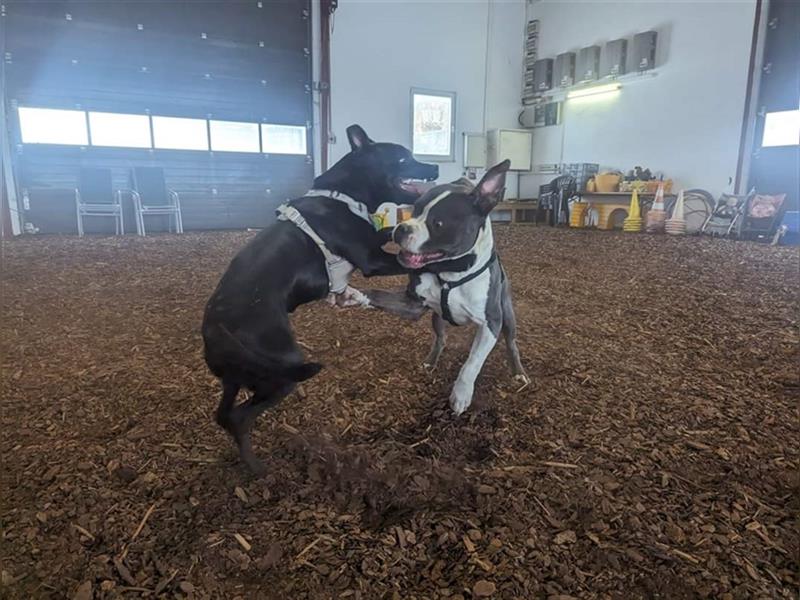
x=53, y=126
x=433, y=116
x=174, y=133
x=112, y=129
x=283, y=139
x=227, y=136
x=782, y=128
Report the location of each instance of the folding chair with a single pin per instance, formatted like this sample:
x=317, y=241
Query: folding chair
x=762, y=217
x=152, y=197
x=95, y=197
x=725, y=216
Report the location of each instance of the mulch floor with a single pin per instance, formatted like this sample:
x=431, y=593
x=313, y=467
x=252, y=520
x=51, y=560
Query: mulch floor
x=655, y=454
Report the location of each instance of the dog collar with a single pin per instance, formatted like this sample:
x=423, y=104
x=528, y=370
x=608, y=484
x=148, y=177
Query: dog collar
x=359, y=209
x=449, y=285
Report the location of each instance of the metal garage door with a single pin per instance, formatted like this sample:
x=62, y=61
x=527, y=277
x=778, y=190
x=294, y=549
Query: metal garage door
x=775, y=163
x=212, y=61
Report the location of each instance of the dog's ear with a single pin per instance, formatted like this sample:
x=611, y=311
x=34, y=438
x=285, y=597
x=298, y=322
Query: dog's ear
x=464, y=182
x=489, y=190
x=357, y=137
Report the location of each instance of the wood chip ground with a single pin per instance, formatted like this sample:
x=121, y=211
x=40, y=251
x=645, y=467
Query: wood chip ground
x=654, y=455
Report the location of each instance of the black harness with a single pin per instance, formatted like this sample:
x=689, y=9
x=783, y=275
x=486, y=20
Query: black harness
x=449, y=285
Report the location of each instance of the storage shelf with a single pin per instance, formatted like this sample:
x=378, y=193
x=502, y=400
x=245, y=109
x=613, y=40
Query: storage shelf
x=620, y=193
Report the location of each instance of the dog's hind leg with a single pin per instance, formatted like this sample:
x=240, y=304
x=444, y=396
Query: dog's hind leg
x=510, y=336
x=230, y=390
x=439, y=338
x=266, y=395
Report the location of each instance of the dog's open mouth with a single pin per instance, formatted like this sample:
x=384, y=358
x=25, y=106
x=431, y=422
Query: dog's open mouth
x=414, y=186
x=417, y=261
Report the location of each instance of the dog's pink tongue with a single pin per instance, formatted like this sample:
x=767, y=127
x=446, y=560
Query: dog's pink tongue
x=418, y=187
x=414, y=261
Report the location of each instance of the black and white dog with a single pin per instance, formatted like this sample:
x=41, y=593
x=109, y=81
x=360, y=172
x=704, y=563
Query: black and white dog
x=306, y=255
x=449, y=243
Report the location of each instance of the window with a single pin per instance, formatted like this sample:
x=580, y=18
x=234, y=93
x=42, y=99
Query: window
x=228, y=136
x=283, y=139
x=122, y=131
x=781, y=128
x=53, y=126
x=433, y=124
x=175, y=133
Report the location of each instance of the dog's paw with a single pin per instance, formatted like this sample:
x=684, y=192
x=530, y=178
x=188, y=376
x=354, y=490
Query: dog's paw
x=349, y=297
x=522, y=380
x=460, y=398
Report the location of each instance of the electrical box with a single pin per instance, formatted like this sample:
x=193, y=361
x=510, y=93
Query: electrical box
x=531, y=54
x=615, y=58
x=474, y=151
x=512, y=144
x=644, y=50
x=548, y=114
x=543, y=74
x=541, y=115
x=587, y=66
x=564, y=70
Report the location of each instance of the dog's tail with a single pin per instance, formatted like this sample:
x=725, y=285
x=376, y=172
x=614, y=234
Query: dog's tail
x=254, y=363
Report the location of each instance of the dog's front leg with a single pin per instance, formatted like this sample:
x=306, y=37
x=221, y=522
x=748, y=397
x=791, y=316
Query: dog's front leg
x=464, y=387
x=372, y=260
x=398, y=303
x=349, y=297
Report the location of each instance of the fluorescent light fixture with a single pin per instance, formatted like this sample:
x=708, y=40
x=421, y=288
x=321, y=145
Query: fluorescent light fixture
x=594, y=90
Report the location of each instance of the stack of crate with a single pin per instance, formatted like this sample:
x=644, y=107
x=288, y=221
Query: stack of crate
x=531, y=55
x=582, y=172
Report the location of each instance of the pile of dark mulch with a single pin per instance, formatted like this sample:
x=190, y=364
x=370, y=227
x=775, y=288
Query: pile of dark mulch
x=655, y=454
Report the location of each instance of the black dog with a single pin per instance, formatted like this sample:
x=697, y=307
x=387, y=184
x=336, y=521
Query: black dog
x=305, y=256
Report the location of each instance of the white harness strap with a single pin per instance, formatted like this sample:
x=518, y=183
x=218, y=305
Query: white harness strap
x=338, y=268
x=359, y=209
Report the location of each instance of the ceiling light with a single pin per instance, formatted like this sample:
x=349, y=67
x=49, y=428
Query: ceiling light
x=592, y=91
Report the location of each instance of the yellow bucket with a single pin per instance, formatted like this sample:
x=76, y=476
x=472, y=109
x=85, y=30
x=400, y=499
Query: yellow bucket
x=607, y=182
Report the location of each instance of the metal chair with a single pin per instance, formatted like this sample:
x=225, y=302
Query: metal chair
x=95, y=197
x=554, y=199
x=762, y=217
x=152, y=197
x=726, y=214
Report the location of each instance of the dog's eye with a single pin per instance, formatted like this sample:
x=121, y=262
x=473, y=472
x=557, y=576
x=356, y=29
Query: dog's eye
x=402, y=160
x=438, y=224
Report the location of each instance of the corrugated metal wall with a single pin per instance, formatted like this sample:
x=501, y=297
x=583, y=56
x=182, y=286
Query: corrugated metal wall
x=238, y=61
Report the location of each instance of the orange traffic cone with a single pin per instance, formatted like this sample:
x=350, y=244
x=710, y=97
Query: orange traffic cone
x=657, y=215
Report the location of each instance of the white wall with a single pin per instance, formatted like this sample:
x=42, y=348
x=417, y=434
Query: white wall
x=380, y=49
x=686, y=121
